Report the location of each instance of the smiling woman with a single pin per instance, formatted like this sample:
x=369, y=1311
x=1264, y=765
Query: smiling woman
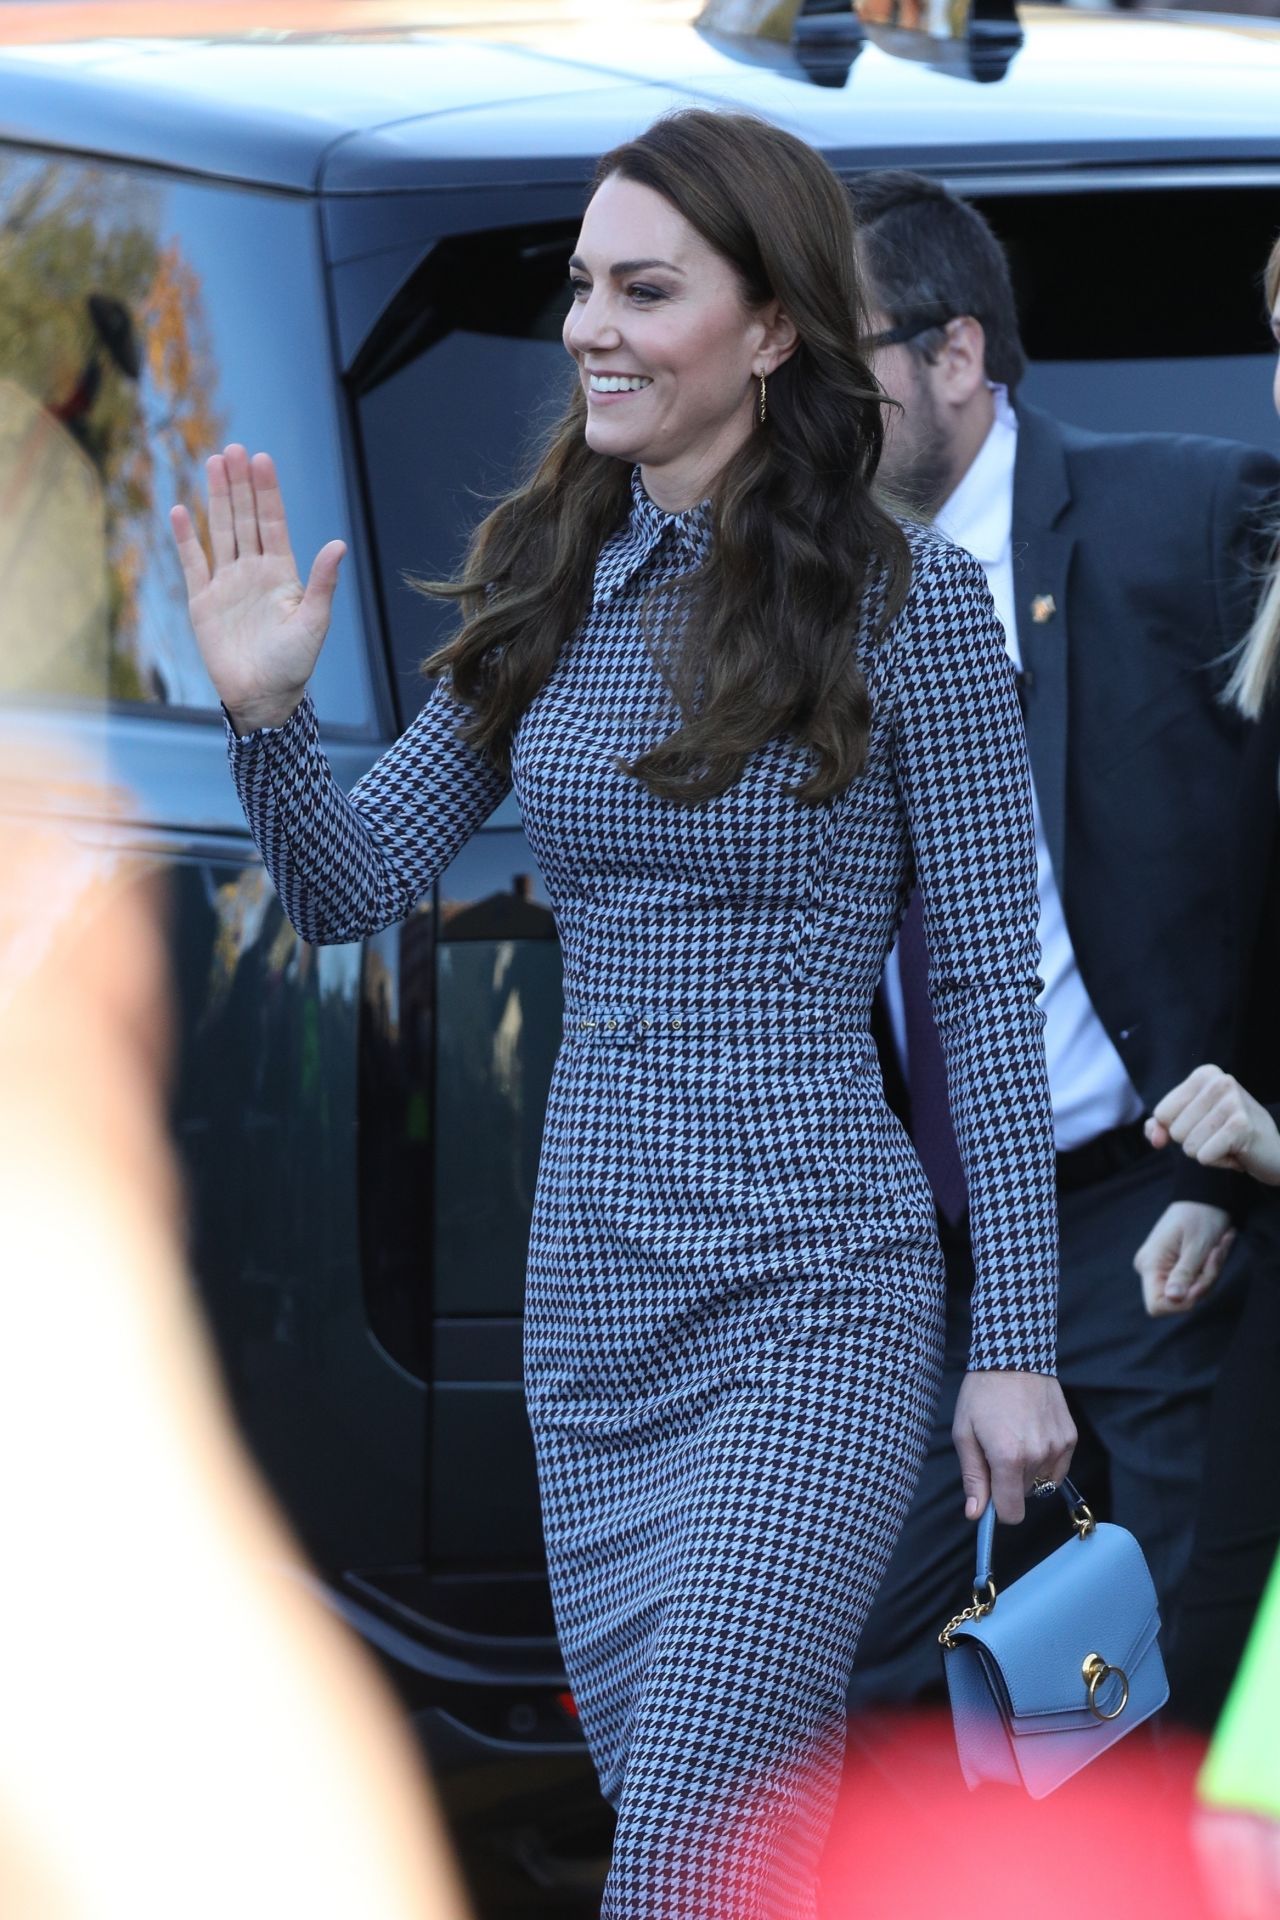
x=743, y=711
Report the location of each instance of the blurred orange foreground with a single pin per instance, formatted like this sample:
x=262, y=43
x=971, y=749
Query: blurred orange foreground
x=185, y=1733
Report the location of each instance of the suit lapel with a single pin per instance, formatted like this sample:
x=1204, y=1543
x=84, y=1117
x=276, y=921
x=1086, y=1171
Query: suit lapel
x=1041, y=566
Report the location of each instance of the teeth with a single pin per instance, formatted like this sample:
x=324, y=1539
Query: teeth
x=618, y=382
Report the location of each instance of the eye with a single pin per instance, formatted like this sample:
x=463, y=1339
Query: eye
x=579, y=287
x=647, y=296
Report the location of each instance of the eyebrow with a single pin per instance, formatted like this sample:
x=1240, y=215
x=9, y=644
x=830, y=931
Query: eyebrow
x=620, y=267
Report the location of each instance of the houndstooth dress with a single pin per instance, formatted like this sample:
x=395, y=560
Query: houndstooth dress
x=734, y=1297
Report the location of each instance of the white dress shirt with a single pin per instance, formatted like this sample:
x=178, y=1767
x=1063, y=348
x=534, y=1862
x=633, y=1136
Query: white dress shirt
x=1090, y=1088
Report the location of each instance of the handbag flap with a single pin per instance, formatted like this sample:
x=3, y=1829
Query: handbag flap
x=1093, y=1595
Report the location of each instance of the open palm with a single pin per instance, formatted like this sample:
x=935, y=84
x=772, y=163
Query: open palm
x=258, y=628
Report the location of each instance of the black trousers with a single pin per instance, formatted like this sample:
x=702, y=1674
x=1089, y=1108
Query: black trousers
x=1139, y=1391
x=1237, y=1532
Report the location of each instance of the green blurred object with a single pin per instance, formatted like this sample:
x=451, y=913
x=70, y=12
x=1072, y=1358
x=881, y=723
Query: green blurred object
x=1243, y=1767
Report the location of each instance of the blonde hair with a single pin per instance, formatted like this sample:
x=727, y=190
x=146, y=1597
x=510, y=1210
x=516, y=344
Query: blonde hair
x=1258, y=664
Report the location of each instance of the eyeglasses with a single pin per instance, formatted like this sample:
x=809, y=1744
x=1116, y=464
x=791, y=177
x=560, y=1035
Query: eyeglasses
x=911, y=328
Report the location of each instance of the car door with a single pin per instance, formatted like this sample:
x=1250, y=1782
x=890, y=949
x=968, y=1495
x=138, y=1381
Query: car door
x=144, y=321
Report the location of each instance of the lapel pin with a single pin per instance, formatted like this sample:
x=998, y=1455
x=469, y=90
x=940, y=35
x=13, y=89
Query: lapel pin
x=1043, y=608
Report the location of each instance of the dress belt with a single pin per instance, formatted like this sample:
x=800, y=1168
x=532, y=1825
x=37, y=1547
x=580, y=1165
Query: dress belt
x=622, y=1025
x=1108, y=1153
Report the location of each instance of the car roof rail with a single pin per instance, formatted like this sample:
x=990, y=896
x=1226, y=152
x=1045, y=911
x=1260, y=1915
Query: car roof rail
x=819, y=40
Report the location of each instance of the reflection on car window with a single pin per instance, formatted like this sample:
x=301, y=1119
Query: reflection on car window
x=456, y=386
x=498, y=1001
x=107, y=401
x=142, y=325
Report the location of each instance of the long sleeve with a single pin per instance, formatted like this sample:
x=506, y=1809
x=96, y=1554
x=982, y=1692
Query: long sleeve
x=966, y=789
x=344, y=866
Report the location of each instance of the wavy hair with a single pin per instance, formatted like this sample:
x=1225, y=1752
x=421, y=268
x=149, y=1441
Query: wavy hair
x=1257, y=668
x=761, y=640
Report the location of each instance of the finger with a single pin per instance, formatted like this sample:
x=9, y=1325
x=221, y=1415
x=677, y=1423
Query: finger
x=1152, y=1296
x=1220, y=1146
x=1195, y=1112
x=1157, y=1253
x=1184, y=1275
x=973, y=1472
x=1218, y=1258
x=1210, y=1271
x=1177, y=1097
x=222, y=538
x=1152, y=1275
x=1192, y=1254
x=1008, y=1489
x=322, y=581
x=195, y=567
x=1158, y=1135
x=1196, y=1292
x=244, y=513
x=273, y=529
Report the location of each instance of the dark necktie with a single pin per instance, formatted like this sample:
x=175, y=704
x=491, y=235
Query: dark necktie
x=931, y=1128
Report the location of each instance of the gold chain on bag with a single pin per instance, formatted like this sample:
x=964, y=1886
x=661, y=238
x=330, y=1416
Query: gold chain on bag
x=980, y=1607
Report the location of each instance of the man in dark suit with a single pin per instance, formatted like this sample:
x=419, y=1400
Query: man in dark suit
x=1123, y=567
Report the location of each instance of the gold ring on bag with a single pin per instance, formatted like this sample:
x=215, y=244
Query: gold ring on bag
x=1095, y=1671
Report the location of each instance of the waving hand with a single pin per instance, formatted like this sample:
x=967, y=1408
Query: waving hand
x=258, y=628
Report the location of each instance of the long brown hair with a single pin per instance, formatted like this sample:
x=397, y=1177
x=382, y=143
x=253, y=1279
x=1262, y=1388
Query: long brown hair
x=1258, y=667
x=767, y=642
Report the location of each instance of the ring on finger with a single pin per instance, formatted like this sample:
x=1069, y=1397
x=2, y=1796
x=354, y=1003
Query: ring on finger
x=1041, y=1489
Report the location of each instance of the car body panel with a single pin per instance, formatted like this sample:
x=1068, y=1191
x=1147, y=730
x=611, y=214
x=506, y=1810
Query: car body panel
x=1068, y=99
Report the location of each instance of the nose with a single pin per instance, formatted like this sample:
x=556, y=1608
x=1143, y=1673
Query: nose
x=590, y=326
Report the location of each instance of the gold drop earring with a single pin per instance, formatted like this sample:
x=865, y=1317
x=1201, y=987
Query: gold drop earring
x=763, y=405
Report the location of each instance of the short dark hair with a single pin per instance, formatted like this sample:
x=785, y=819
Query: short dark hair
x=927, y=252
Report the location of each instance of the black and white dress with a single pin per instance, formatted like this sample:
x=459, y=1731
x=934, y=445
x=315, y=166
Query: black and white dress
x=734, y=1300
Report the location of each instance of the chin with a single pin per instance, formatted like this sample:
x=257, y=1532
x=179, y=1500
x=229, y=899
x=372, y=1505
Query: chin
x=602, y=438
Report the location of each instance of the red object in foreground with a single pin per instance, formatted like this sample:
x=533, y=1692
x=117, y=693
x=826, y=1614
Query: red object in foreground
x=911, y=1842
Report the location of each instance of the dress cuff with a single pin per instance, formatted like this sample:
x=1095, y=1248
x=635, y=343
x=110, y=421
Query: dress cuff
x=299, y=727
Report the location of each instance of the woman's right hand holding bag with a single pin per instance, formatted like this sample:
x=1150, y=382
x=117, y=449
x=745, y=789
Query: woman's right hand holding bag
x=258, y=628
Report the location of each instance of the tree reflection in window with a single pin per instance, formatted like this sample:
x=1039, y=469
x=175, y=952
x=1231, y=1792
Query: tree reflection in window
x=107, y=384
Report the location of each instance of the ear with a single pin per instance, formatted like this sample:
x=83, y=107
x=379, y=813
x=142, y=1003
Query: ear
x=960, y=366
x=778, y=337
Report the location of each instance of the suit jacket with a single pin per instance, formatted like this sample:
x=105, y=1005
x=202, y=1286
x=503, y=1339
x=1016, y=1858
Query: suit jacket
x=1137, y=560
x=1246, y=1041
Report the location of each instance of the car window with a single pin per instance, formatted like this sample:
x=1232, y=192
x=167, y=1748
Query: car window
x=1142, y=309
x=455, y=388
x=143, y=323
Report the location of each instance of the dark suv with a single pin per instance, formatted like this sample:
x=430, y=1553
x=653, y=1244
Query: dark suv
x=348, y=245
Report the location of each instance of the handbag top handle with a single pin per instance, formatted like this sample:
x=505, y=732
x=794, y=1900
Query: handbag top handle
x=1081, y=1519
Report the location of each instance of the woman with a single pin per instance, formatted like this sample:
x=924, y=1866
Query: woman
x=740, y=707
x=1219, y=1119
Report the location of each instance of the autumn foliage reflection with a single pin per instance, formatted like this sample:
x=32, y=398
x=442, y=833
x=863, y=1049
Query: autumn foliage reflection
x=107, y=401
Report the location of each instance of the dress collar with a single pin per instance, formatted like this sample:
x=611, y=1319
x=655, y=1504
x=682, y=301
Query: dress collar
x=689, y=532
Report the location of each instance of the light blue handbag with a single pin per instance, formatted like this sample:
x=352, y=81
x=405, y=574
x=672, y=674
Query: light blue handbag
x=1063, y=1666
